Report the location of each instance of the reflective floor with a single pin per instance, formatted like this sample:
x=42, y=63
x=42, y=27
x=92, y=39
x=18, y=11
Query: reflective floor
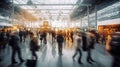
x=48, y=56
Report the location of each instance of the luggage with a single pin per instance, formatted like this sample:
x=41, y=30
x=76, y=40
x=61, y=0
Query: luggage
x=31, y=63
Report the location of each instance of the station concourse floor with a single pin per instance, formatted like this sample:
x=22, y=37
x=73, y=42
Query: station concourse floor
x=48, y=56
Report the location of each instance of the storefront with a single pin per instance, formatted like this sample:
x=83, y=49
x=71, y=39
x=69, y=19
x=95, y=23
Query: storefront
x=109, y=19
x=108, y=29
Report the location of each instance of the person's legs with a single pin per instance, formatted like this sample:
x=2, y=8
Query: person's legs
x=60, y=48
x=20, y=38
x=24, y=37
x=13, y=56
x=80, y=56
x=19, y=55
x=74, y=55
x=44, y=40
x=34, y=55
x=41, y=39
x=89, y=58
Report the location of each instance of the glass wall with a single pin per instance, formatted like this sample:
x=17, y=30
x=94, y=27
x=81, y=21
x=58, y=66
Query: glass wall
x=108, y=19
x=110, y=12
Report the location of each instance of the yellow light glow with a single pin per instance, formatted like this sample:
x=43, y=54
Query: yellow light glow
x=15, y=28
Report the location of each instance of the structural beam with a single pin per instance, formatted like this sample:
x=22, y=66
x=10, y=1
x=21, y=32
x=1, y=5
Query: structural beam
x=47, y=9
x=52, y=4
x=96, y=25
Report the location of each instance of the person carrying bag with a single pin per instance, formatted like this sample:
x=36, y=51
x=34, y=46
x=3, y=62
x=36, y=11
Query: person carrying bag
x=33, y=48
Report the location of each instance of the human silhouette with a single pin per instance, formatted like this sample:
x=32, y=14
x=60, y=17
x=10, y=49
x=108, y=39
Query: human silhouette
x=60, y=40
x=113, y=47
x=90, y=46
x=14, y=43
x=78, y=48
x=34, y=46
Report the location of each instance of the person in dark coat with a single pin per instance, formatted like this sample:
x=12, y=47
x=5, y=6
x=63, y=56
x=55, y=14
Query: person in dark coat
x=44, y=35
x=3, y=39
x=84, y=41
x=53, y=36
x=14, y=43
x=113, y=47
x=21, y=35
x=90, y=46
x=33, y=46
x=60, y=40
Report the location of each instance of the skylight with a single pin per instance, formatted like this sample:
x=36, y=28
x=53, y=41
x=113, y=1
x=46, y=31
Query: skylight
x=45, y=1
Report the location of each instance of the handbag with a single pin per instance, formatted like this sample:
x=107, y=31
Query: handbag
x=37, y=48
x=31, y=63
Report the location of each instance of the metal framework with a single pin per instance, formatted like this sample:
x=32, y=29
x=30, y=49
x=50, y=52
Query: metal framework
x=53, y=4
x=48, y=9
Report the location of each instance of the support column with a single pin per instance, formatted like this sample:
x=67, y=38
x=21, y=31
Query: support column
x=88, y=16
x=96, y=25
x=12, y=11
x=81, y=21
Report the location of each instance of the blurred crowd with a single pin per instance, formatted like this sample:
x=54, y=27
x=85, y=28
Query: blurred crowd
x=82, y=40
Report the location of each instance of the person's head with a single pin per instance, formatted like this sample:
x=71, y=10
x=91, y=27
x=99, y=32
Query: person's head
x=79, y=34
x=31, y=34
x=60, y=32
x=92, y=33
x=14, y=33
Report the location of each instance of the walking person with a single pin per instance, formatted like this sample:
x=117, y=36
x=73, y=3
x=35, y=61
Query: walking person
x=21, y=35
x=113, y=47
x=44, y=35
x=60, y=40
x=34, y=46
x=53, y=36
x=3, y=39
x=24, y=35
x=14, y=43
x=41, y=36
x=84, y=41
x=78, y=48
x=90, y=46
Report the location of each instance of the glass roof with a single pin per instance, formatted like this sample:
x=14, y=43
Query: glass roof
x=45, y=1
x=50, y=8
x=55, y=1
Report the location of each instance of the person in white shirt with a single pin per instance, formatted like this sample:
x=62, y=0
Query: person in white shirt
x=78, y=47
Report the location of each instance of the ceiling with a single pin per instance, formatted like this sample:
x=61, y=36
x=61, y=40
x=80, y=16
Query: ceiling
x=81, y=11
x=47, y=9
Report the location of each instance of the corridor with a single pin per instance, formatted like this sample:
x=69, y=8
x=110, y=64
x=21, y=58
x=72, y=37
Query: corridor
x=49, y=57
